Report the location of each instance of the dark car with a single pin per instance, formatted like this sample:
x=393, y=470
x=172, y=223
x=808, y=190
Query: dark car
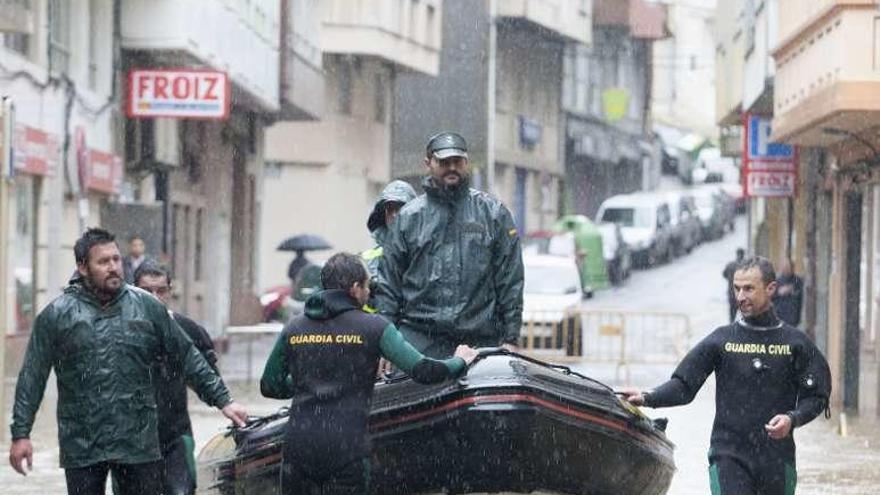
x=687, y=232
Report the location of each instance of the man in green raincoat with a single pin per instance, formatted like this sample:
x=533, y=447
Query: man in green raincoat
x=102, y=338
x=452, y=269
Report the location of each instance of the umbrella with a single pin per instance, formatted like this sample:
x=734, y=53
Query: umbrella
x=304, y=242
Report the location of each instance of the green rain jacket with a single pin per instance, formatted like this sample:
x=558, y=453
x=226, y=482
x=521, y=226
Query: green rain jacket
x=102, y=356
x=453, y=267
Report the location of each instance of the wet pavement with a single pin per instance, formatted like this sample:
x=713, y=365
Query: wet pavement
x=827, y=462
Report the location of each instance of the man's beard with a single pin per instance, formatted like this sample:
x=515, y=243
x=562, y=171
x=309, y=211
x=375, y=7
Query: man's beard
x=462, y=179
x=101, y=288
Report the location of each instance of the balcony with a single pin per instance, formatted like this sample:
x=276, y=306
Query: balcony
x=571, y=19
x=828, y=73
x=302, y=73
x=406, y=34
x=184, y=34
x=645, y=20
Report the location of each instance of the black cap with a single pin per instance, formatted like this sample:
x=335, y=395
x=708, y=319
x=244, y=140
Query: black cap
x=446, y=144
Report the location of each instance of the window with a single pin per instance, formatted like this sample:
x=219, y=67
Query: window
x=380, y=98
x=344, y=86
x=18, y=42
x=59, y=36
x=414, y=19
x=430, y=37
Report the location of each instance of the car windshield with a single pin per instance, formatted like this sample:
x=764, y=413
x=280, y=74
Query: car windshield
x=629, y=217
x=551, y=280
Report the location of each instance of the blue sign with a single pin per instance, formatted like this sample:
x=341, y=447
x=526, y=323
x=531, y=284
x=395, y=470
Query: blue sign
x=760, y=148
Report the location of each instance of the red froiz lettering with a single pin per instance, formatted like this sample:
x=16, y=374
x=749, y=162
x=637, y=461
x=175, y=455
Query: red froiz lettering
x=182, y=86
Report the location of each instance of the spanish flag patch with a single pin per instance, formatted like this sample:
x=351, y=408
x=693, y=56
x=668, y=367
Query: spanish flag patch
x=511, y=232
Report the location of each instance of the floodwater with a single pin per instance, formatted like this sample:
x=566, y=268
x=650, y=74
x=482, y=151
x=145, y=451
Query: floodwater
x=827, y=463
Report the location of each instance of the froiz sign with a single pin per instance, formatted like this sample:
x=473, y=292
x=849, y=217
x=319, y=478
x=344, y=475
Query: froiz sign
x=178, y=93
x=770, y=169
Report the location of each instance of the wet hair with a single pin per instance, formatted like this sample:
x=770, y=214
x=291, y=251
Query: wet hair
x=768, y=273
x=342, y=271
x=90, y=238
x=151, y=269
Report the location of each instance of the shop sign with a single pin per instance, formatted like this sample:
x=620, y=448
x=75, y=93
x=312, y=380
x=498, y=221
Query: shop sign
x=178, y=93
x=103, y=172
x=35, y=152
x=98, y=171
x=770, y=169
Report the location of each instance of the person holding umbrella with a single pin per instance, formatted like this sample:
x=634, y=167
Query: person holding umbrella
x=300, y=244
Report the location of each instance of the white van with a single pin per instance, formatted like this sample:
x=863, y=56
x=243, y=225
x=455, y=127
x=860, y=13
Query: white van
x=645, y=223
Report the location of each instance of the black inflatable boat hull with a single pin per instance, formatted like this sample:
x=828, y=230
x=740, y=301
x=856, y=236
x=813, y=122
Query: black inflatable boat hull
x=510, y=425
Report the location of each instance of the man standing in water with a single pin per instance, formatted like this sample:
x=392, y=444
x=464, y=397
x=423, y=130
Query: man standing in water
x=326, y=361
x=101, y=337
x=770, y=379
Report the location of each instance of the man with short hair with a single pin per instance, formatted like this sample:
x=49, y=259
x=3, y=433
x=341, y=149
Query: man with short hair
x=789, y=296
x=452, y=270
x=175, y=429
x=137, y=249
x=325, y=361
x=101, y=337
x=770, y=378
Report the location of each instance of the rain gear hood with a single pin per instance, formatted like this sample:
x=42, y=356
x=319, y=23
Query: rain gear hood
x=396, y=191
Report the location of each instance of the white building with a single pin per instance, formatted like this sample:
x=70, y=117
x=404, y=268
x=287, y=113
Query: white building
x=327, y=167
x=57, y=70
x=684, y=68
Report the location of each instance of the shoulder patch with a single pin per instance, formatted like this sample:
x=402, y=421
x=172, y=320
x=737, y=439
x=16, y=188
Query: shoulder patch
x=512, y=232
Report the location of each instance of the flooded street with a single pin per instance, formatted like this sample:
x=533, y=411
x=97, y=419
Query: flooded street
x=827, y=463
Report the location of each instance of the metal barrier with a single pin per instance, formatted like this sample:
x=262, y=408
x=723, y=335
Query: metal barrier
x=607, y=336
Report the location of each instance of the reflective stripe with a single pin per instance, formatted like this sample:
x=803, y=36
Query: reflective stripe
x=714, y=480
x=790, y=479
x=371, y=254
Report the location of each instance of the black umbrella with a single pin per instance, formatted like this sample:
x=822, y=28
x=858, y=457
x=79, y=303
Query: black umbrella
x=304, y=242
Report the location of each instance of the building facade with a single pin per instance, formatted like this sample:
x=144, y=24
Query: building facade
x=684, y=68
x=607, y=94
x=197, y=183
x=520, y=129
x=57, y=78
x=345, y=146
x=825, y=103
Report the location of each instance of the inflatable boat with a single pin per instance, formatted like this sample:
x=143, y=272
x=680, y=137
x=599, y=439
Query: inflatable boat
x=511, y=424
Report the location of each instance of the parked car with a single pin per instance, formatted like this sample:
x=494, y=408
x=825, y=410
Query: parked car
x=686, y=229
x=615, y=250
x=551, y=303
x=645, y=223
x=715, y=210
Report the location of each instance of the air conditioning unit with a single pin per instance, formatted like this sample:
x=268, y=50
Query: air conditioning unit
x=16, y=17
x=155, y=143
